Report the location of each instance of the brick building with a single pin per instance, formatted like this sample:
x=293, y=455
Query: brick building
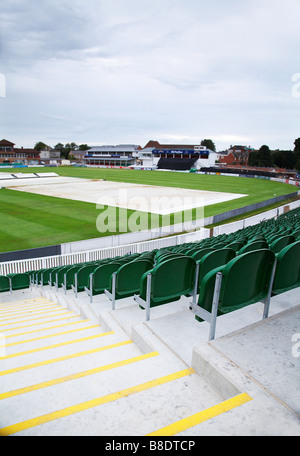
x=236, y=155
x=10, y=155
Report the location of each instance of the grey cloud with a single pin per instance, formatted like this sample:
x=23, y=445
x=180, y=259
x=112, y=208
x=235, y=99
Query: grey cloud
x=112, y=69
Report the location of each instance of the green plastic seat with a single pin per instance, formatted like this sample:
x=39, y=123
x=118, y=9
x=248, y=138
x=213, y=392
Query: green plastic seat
x=213, y=260
x=82, y=277
x=69, y=277
x=282, y=242
x=287, y=275
x=166, y=283
x=52, y=276
x=128, y=277
x=236, y=245
x=19, y=281
x=245, y=280
x=60, y=276
x=201, y=253
x=37, y=276
x=4, y=284
x=44, y=277
x=126, y=280
x=168, y=256
x=256, y=245
x=296, y=234
x=100, y=279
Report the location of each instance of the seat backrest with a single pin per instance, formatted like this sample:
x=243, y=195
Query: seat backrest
x=172, y=279
x=4, y=284
x=296, y=234
x=168, y=256
x=20, y=281
x=53, y=274
x=61, y=273
x=201, y=253
x=246, y=280
x=46, y=275
x=282, y=242
x=102, y=276
x=83, y=275
x=39, y=273
x=236, y=245
x=255, y=245
x=218, y=245
x=212, y=260
x=287, y=275
x=70, y=274
x=129, y=276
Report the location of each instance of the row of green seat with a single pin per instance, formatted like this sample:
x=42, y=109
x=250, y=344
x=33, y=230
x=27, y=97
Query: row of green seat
x=13, y=282
x=58, y=277
x=246, y=278
x=163, y=276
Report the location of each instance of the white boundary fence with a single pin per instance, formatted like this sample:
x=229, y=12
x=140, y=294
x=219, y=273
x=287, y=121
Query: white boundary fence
x=21, y=266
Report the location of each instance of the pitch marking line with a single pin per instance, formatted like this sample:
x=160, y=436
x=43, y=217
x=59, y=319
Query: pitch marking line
x=10, y=430
x=205, y=415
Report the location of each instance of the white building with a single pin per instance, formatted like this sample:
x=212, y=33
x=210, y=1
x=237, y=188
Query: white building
x=177, y=157
x=122, y=155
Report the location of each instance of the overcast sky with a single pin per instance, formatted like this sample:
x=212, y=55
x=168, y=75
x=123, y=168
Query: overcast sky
x=127, y=71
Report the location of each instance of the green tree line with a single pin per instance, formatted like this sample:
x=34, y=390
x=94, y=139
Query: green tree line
x=264, y=157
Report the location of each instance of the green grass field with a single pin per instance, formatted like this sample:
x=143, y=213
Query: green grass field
x=30, y=220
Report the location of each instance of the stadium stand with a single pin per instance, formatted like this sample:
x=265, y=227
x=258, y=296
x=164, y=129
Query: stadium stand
x=176, y=164
x=246, y=370
x=162, y=276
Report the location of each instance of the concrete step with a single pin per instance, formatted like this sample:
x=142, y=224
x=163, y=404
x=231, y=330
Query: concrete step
x=76, y=368
x=50, y=367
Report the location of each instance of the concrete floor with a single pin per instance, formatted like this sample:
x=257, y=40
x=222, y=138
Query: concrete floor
x=121, y=372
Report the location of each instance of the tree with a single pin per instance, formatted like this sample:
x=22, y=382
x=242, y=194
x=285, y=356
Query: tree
x=265, y=156
x=253, y=159
x=59, y=147
x=284, y=159
x=84, y=147
x=65, y=149
x=297, y=146
x=297, y=153
x=261, y=157
x=209, y=144
x=40, y=146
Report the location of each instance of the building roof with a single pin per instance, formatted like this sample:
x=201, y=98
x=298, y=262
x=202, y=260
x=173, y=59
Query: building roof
x=114, y=149
x=4, y=142
x=156, y=145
